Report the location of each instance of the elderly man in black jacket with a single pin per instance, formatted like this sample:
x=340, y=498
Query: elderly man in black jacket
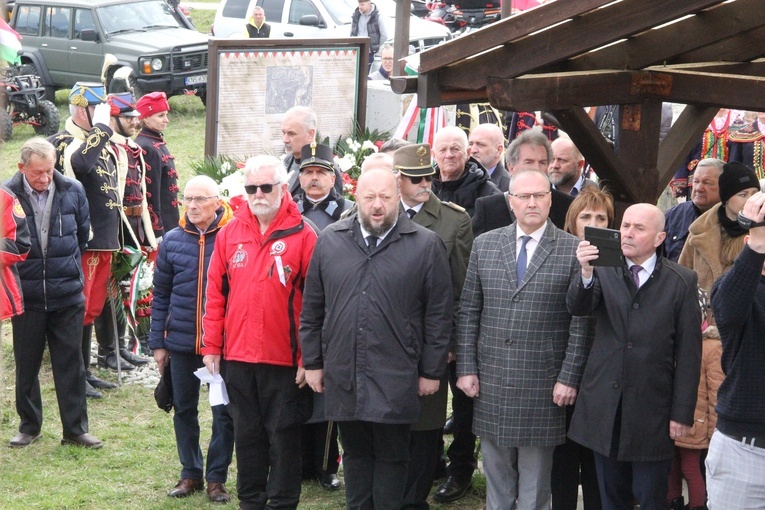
x=458, y=179
x=375, y=330
x=54, y=306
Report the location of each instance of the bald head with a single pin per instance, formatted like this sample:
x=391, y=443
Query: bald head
x=567, y=164
x=642, y=231
x=204, y=183
x=486, y=143
x=378, y=161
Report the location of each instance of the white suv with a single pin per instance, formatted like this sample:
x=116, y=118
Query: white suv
x=319, y=19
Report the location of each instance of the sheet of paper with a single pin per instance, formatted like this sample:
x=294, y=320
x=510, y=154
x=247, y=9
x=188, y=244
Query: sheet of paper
x=217, y=388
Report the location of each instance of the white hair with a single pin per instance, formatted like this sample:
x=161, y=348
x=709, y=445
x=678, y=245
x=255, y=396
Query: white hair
x=258, y=162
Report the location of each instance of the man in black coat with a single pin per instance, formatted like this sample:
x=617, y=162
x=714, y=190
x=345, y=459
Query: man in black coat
x=54, y=306
x=487, y=144
x=639, y=389
x=530, y=149
x=374, y=331
x=459, y=180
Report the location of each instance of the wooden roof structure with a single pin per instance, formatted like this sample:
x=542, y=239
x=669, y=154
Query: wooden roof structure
x=568, y=54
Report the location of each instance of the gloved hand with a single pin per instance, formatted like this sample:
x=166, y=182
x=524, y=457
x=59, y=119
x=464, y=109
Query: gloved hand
x=102, y=114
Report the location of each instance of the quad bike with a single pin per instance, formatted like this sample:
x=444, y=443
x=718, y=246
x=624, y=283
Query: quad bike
x=21, y=102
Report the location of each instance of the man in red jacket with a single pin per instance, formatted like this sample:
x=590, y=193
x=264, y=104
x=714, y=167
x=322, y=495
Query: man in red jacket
x=254, y=299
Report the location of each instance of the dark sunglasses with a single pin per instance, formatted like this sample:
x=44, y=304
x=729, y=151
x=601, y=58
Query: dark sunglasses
x=418, y=180
x=251, y=189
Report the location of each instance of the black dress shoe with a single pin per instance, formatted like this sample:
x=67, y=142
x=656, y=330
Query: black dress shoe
x=98, y=383
x=217, y=492
x=110, y=361
x=452, y=490
x=449, y=425
x=91, y=392
x=21, y=440
x=84, y=440
x=186, y=487
x=132, y=358
x=329, y=481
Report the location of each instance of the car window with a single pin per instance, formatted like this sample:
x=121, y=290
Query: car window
x=342, y=10
x=57, y=21
x=273, y=10
x=237, y=9
x=137, y=16
x=300, y=8
x=83, y=20
x=28, y=19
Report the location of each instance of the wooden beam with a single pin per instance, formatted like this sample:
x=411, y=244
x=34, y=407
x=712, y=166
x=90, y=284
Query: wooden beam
x=565, y=90
x=514, y=27
x=639, y=145
x=610, y=169
x=658, y=46
x=559, y=91
x=740, y=48
x=720, y=90
x=401, y=37
x=403, y=84
x=756, y=68
x=682, y=136
x=560, y=42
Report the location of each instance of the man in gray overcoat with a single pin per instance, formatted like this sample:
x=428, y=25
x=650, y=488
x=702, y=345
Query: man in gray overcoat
x=519, y=356
x=374, y=331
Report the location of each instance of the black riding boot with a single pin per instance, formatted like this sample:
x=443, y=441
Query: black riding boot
x=108, y=356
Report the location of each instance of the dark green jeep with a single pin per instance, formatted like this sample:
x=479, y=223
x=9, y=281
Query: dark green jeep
x=66, y=41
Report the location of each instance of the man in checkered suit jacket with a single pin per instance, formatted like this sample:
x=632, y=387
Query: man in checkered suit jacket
x=520, y=355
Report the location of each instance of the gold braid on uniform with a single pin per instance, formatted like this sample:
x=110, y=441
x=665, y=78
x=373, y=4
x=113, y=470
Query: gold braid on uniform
x=757, y=162
x=93, y=140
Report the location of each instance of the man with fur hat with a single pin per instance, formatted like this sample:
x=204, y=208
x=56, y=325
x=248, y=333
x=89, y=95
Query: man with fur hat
x=83, y=151
x=161, y=176
x=452, y=224
x=317, y=199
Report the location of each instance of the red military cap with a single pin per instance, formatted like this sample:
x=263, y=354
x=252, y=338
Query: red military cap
x=152, y=103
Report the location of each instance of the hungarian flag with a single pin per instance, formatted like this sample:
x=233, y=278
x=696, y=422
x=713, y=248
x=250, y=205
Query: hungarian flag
x=9, y=43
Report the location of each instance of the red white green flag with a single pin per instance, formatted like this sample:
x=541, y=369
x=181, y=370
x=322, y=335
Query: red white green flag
x=9, y=43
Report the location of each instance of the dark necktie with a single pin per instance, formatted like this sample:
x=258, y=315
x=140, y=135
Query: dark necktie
x=520, y=265
x=635, y=270
x=411, y=213
x=371, y=243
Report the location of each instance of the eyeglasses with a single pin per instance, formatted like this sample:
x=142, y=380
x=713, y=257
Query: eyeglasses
x=251, y=189
x=387, y=59
x=418, y=180
x=197, y=200
x=525, y=197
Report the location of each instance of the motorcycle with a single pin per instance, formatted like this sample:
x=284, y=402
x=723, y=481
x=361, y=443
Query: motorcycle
x=21, y=98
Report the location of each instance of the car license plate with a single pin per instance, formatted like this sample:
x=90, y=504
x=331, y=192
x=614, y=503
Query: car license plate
x=196, y=80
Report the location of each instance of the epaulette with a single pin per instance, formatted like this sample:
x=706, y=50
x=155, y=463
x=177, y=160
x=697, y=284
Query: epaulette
x=454, y=206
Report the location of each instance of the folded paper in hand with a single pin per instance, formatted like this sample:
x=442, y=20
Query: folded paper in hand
x=217, y=388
